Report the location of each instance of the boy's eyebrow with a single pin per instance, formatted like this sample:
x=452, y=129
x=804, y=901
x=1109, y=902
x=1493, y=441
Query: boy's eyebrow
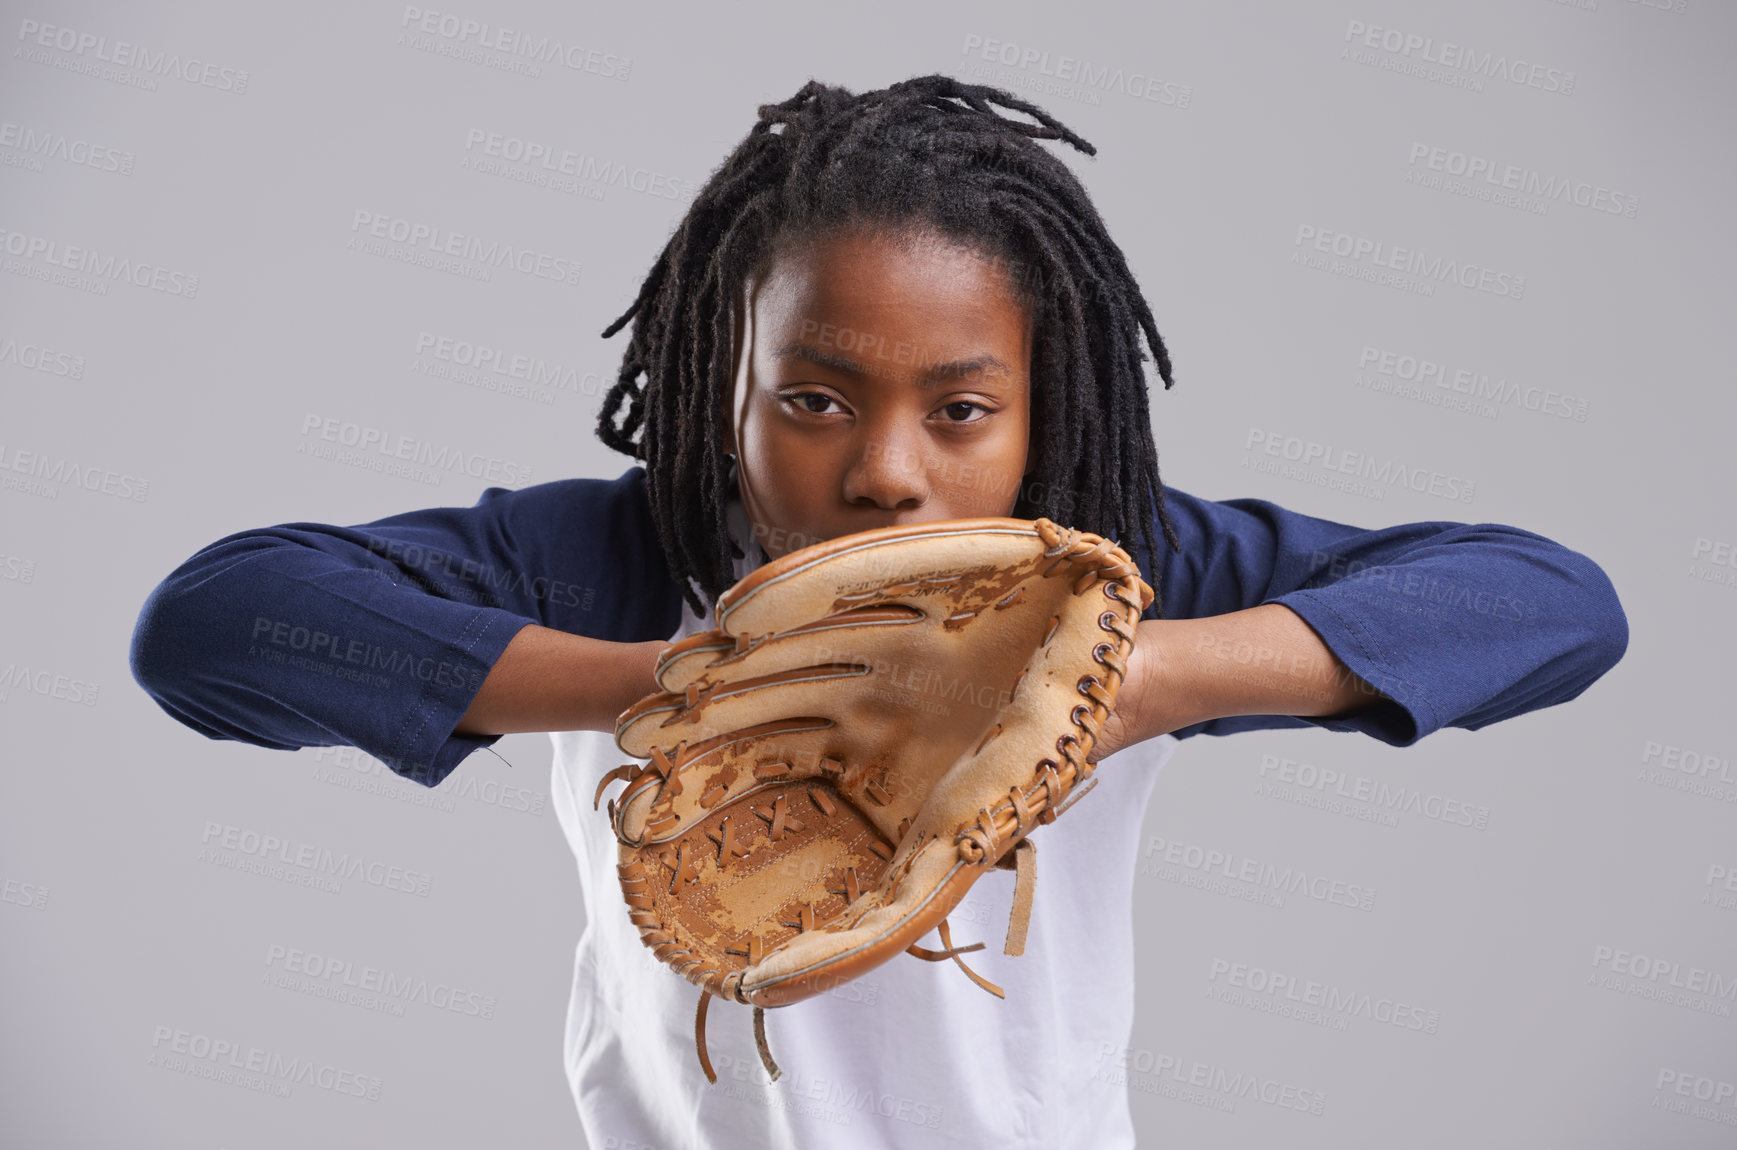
x=934, y=374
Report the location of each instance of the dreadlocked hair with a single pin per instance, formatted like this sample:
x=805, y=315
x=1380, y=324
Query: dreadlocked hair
x=927, y=155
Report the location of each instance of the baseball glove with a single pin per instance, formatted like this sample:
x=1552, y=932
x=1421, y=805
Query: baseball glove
x=876, y=721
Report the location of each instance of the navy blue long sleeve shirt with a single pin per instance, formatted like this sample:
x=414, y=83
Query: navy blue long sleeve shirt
x=378, y=636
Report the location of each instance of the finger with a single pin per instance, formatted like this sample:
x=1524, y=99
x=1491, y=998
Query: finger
x=680, y=789
x=718, y=655
x=704, y=712
x=971, y=563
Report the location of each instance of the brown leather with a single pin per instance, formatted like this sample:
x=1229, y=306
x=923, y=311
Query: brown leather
x=875, y=723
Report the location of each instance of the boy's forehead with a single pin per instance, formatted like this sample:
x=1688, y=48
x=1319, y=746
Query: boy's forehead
x=837, y=263
x=938, y=294
x=870, y=355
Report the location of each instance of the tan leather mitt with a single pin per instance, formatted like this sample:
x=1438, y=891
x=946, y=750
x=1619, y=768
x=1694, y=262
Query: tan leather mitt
x=876, y=721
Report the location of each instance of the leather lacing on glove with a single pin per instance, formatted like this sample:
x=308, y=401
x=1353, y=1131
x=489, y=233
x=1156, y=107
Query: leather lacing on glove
x=999, y=833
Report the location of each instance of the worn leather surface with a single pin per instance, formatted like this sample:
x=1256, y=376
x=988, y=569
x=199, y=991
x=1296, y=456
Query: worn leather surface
x=874, y=723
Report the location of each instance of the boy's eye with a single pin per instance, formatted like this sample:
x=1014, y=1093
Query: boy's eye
x=961, y=412
x=813, y=401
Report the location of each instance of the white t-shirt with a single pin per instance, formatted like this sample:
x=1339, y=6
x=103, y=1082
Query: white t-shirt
x=912, y=1054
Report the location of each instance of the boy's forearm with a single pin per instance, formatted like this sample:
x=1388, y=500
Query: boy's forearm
x=1262, y=661
x=549, y=680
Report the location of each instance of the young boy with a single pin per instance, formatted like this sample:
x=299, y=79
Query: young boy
x=894, y=309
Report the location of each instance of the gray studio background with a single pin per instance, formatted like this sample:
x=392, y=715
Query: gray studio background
x=1560, y=973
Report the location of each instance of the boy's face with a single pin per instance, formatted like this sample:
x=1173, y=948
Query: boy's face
x=877, y=384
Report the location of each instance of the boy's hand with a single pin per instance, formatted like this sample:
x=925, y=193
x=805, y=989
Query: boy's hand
x=1262, y=661
x=1132, y=720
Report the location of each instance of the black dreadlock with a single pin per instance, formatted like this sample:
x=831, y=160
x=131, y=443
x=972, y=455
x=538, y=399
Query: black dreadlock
x=911, y=158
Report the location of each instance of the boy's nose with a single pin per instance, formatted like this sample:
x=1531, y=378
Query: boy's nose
x=887, y=475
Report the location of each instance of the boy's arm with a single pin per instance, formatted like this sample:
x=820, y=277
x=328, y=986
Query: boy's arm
x=531, y=686
x=1263, y=661
x=1277, y=619
x=380, y=636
